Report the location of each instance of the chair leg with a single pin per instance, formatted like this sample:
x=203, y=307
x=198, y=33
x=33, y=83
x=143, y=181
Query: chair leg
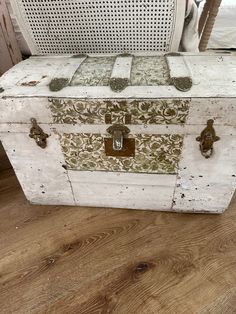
x=204, y=15
x=215, y=5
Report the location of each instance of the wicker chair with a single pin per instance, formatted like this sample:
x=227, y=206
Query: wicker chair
x=104, y=26
x=100, y=26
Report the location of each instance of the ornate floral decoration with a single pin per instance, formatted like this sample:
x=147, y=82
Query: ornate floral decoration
x=161, y=111
x=150, y=71
x=153, y=153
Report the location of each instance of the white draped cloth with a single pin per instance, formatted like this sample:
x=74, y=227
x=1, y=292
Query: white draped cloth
x=190, y=38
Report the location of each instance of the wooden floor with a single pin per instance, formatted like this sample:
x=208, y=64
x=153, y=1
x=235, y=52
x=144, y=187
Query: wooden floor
x=86, y=260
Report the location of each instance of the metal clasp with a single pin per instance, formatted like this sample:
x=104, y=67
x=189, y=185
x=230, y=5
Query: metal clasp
x=119, y=145
x=37, y=134
x=118, y=132
x=207, y=139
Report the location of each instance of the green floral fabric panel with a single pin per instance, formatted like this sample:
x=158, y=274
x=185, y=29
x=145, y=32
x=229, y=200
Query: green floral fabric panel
x=153, y=153
x=94, y=71
x=146, y=71
x=165, y=111
x=150, y=71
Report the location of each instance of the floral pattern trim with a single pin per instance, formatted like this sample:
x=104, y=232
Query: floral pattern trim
x=153, y=153
x=94, y=71
x=145, y=71
x=163, y=111
x=150, y=71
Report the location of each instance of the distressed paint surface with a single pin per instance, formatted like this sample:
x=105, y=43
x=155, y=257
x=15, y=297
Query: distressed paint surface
x=39, y=171
x=65, y=73
x=120, y=76
x=196, y=111
x=204, y=71
x=153, y=153
x=178, y=66
x=21, y=110
x=165, y=111
x=222, y=110
x=123, y=190
x=206, y=185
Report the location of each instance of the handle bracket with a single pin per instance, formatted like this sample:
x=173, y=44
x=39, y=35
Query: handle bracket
x=207, y=139
x=38, y=134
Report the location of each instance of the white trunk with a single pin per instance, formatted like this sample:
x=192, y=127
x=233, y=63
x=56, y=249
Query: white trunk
x=167, y=170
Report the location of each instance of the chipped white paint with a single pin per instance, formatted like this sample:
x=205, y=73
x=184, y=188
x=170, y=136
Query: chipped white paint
x=213, y=76
x=21, y=110
x=67, y=69
x=178, y=66
x=33, y=69
x=201, y=185
x=122, y=68
x=39, y=171
x=206, y=185
x=134, y=129
x=223, y=111
x=123, y=190
x=207, y=90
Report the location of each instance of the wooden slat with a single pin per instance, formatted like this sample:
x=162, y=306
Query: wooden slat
x=178, y=66
x=65, y=72
x=22, y=110
x=212, y=75
x=101, y=129
x=123, y=190
x=149, y=92
x=122, y=67
x=201, y=181
x=120, y=77
x=38, y=170
x=9, y=50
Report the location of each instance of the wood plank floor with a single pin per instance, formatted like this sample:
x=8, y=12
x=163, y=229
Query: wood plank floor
x=87, y=260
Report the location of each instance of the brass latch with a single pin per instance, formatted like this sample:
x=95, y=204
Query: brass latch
x=119, y=145
x=37, y=134
x=207, y=139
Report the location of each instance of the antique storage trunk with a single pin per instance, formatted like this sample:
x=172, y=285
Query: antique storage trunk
x=153, y=132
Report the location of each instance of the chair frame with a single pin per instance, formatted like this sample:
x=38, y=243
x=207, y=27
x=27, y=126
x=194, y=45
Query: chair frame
x=10, y=52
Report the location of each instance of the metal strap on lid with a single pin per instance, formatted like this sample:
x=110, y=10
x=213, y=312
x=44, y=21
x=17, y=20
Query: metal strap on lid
x=120, y=77
x=179, y=72
x=65, y=73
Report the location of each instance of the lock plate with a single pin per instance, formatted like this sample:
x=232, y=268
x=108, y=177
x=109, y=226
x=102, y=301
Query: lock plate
x=128, y=149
